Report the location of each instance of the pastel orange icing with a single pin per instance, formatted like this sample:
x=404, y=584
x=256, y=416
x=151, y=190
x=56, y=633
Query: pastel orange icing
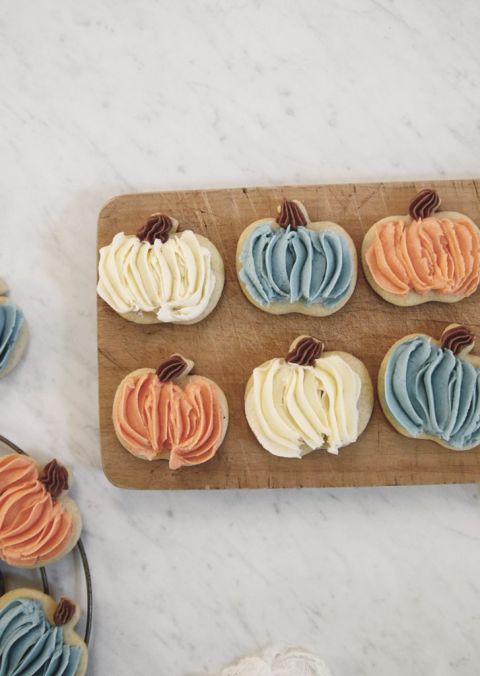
x=33, y=526
x=431, y=254
x=153, y=417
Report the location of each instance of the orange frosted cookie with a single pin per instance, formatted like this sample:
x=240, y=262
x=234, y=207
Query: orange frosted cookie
x=424, y=256
x=38, y=523
x=168, y=414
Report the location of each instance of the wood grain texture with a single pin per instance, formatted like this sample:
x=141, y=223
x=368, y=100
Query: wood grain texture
x=236, y=337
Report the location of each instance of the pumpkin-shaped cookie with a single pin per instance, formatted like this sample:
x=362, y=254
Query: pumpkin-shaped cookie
x=167, y=414
x=13, y=332
x=424, y=256
x=160, y=275
x=279, y=661
x=430, y=389
x=38, y=637
x=290, y=264
x=39, y=523
x=310, y=400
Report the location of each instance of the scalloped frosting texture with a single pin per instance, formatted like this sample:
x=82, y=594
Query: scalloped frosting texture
x=11, y=322
x=279, y=661
x=294, y=409
x=173, y=279
x=432, y=254
x=430, y=391
x=153, y=417
x=295, y=265
x=33, y=526
x=30, y=645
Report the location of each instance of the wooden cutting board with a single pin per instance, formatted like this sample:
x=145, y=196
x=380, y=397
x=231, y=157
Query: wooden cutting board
x=236, y=337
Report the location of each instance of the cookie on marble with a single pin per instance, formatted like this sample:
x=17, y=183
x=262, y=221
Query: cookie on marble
x=167, y=414
x=430, y=389
x=276, y=661
x=160, y=275
x=37, y=635
x=39, y=523
x=289, y=264
x=310, y=400
x=13, y=332
x=427, y=255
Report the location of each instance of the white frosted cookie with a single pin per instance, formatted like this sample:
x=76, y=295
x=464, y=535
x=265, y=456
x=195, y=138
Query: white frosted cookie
x=310, y=400
x=278, y=661
x=430, y=389
x=39, y=522
x=427, y=255
x=290, y=264
x=160, y=275
x=151, y=408
x=37, y=635
x=13, y=332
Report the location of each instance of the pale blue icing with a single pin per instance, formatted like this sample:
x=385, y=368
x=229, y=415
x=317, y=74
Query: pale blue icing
x=30, y=645
x=281, y=264
x=429, y=390
x=11, y=320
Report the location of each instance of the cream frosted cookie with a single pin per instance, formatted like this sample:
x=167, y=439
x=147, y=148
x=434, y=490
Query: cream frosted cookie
x=167, y=414
x=309, y=401
x=290, y=264
x=279, y=661
x=37, y=636
x=430, y=389
x=13, y=332
x=160, y=275
x=39, y=523
x=423, y=256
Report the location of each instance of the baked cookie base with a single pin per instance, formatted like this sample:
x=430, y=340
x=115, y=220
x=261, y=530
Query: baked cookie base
x=285, y=307
x=412, y=297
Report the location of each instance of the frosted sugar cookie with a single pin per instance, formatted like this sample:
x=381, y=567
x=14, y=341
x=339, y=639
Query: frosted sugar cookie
x=161, y=275
x=290, y=264
x=427, y=255
x=430, y=389
x=279, y=661
x=167, y=414
x=37, y=635
x=39, y=523
x=308, y=401
x=13, y=332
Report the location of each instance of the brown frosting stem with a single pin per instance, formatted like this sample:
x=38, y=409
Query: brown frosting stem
x=158, y=226
x=457, y=339
x=424, y=204
x=305, y=352
x=54, y=477
x=291, y=215
x=172, y=368
x=64, y=611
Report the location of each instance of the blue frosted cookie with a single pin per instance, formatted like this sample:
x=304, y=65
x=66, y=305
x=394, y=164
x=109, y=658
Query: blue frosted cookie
x=430, y=389
x=37, y=636
x=13, y=335
x=290, y=264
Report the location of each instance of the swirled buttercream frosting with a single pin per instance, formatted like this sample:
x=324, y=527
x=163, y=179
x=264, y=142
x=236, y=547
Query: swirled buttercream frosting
x=279, y=661
x=428, y=390
x=439, y=254
x=296, y=409
x=30, y=645
x=152, y=417
x=11, y=322
x=173, y=279
x=33, y=526
x=291, y=265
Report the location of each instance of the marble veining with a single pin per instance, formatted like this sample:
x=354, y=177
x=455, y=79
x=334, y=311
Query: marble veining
x=105, y=97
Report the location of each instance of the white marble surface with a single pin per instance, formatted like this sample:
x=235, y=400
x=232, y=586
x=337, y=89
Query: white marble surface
x=108, y=96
